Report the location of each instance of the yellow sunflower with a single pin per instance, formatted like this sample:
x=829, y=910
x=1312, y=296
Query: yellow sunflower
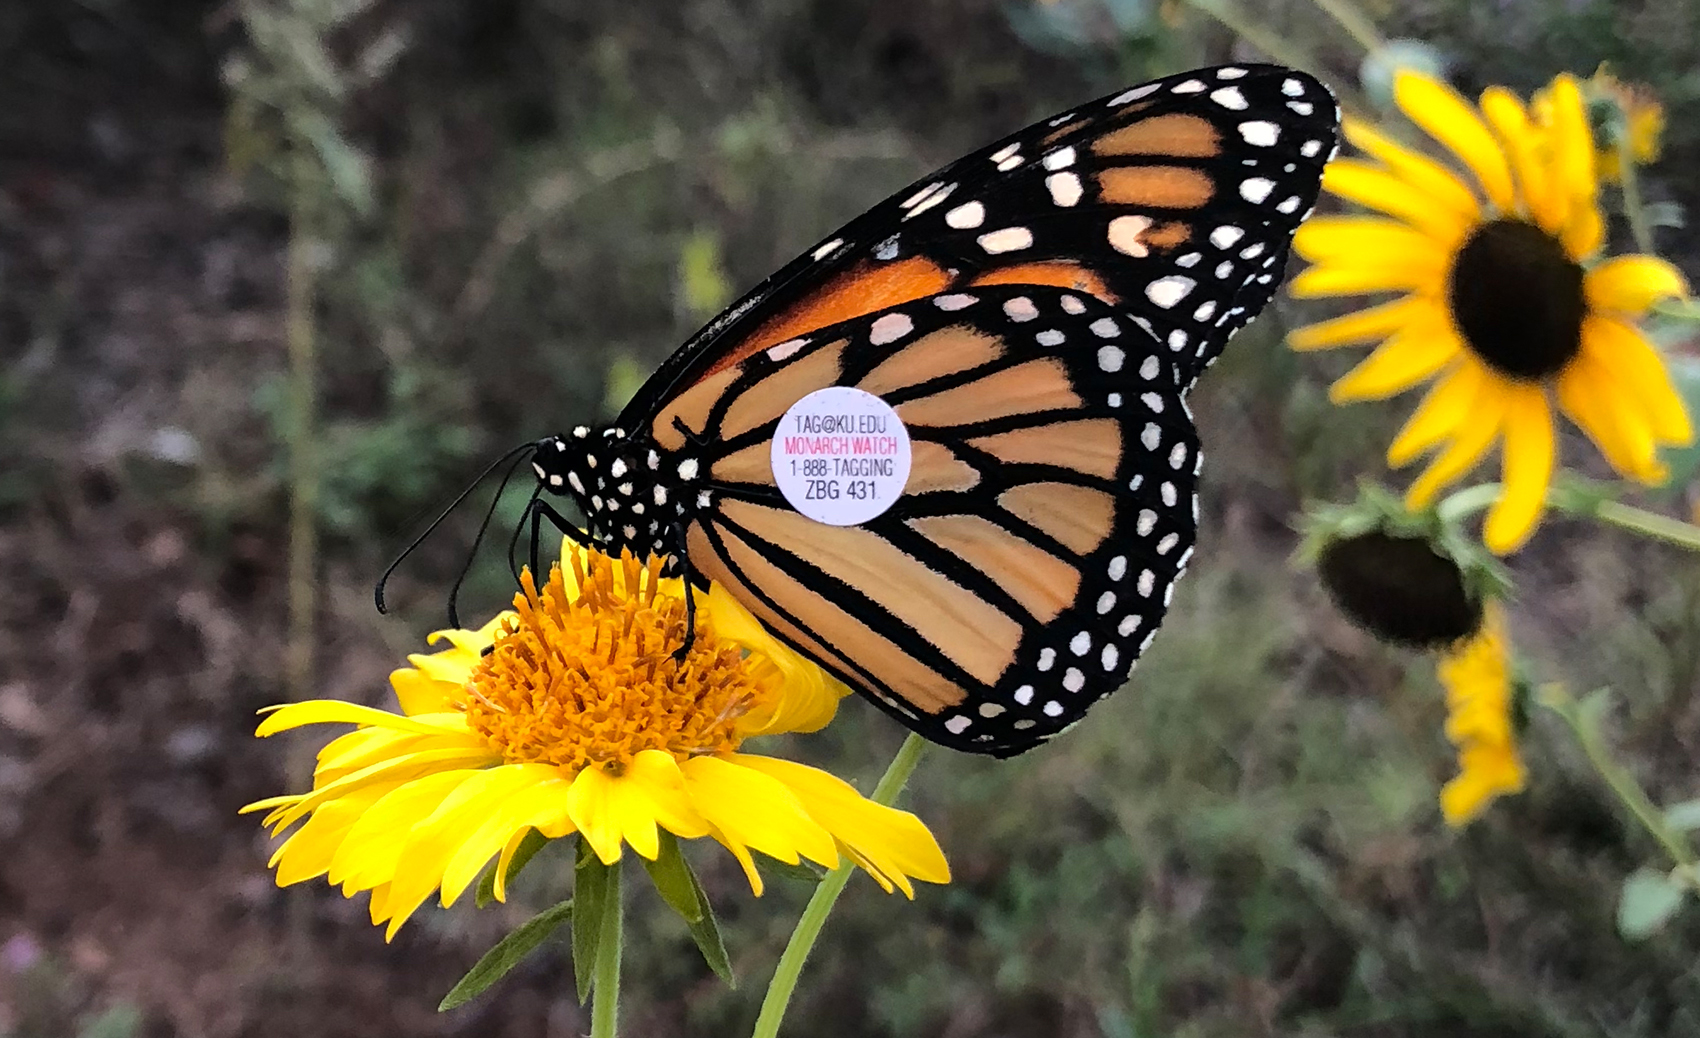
x=1477, y=678
x=570, y=714
x=1636, y=125
x=1501, y=303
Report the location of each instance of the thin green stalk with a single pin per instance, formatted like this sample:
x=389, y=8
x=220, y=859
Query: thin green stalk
x=1630, y=181
x=1357, y=26
x=790, y=967
x=605, y=1004
x=302, y=405
x=1568, y=500
x=1622, y=784
x=1650, y=524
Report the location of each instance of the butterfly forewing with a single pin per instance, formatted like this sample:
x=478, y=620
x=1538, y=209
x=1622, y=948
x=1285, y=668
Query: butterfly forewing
x=1172, y=202
x=1048, y=511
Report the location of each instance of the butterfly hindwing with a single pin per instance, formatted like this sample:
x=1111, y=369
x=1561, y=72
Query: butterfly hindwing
x=1048, y=512
x=1172, y=202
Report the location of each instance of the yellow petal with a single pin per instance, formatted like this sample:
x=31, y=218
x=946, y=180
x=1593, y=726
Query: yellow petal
x=1621, y=433
x=404, y=768
x=1345, y=280
x=335, y=711
x=1441, y=411
x=1522, y=144
x=543, y=790
x=1451, y=120
x=895, y=842
x=371, y=852
x=1584, y=232
x=1486, y=772
x=418, y=693
x=1471, y=439
x=1527, y=464
x=1369, y=241
x=811, y=695
x=1385, y=192
x=309, y=850
x=1572, y=141
x=1631, y=284
x=609, y=808
x=1421, y=172
x=750, y=809
x=1368, y=325
x=1409, y=357
x=1620, y=349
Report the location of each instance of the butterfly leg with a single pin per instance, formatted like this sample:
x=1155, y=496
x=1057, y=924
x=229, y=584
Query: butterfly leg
x=690, y=596
x=541, y=510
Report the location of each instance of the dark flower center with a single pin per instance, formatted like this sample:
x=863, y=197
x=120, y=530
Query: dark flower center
x=1399, y=590
x=1517, y=297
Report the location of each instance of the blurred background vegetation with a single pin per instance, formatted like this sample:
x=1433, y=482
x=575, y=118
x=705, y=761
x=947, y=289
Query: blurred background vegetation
x=276, y=276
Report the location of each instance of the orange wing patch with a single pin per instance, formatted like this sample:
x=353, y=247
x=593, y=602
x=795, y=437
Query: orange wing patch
x=1080, y=518
x=860, y=290
x=1060, y=273
x=1044, y=584
x=1092, y=446
x=1166, y=187
x=1175, y=136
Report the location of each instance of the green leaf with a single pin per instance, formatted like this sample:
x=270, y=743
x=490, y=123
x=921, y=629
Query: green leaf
x=1591, y=714
x=1648, y=901
x=677, y=884
x=349, y=170
x=804, y=871
x=704, y=288
x=706, y=933
x=673, y=880
x=1683, y=817
x=506, y=955
x=529, y=845
x=590, y=888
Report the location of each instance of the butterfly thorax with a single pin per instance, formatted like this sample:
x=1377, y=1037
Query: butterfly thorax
x=633, y=493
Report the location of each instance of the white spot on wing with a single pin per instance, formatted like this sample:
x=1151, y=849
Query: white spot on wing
x=1191, y=86
x=1064, y=187
x=1020, y=309
x=1132, y=95
x=1230, y=98
x=785, y=349
x=954, y=301
x=1256, y=189
x=1125, y=232
x=966, y=215
x=1062, y=158
x=890, y=328
x=1260, y=133
x=1168, y=291
x=1110, y=358
x=826, y=250
x=1010, y=239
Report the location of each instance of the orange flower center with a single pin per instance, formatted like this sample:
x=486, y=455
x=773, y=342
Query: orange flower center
x=1516, y=296
x=592, y=679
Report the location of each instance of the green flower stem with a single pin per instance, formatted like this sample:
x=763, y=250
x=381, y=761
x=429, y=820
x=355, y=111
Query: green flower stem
x=1353, y=21
x=1621, y=783
x=790, y=967
x=605, y=1005
x=1590, y=503
x=1630, y=182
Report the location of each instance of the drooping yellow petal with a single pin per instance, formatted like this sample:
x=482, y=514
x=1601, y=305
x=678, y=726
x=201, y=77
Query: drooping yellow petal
x=1487, y=771
x=1409, y=357
x=309, y=850
x=372, y=849
x=894, y=841
x=1451, y=120
x=1584, y=232
x=1442, y=410
x=750, y=809
x=1522, y=144
x=1429, y=177
x=1622, y=434
x=535, y=802
x=811, y=695
x=1469, y=442
x=1529, y=453
x=1385, y=192
x=1615, y=346
x=1368, y=325
x=1629, y=285
x=1367, y=240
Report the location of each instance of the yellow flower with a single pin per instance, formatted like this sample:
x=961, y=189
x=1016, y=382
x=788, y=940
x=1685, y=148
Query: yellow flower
x=570, y=714
x=1495, y=306
x=1638, y=120
x=1477, y=678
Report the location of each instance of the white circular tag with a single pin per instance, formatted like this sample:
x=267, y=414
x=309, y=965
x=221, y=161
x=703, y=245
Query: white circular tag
x=841, y=456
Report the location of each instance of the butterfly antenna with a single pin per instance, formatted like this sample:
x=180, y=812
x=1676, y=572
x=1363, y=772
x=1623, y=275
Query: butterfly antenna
x=519, y=528
x=514, y=455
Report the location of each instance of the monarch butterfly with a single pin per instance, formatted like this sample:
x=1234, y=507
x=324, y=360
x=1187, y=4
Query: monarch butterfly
x=1030, y=318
